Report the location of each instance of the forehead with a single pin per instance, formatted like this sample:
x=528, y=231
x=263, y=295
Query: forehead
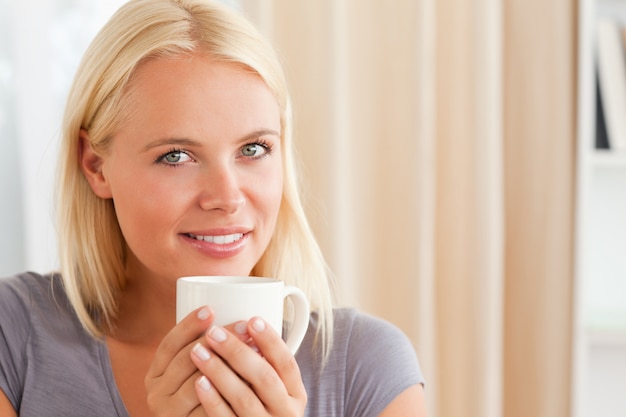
x=199, y=88
x=191, y=72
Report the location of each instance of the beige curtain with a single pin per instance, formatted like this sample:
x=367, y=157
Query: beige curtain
x=437, y=141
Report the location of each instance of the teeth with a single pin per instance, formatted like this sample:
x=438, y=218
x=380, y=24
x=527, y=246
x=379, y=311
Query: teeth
x=220, y=240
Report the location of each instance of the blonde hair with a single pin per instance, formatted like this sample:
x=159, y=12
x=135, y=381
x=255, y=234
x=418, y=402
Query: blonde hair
x=91, y=245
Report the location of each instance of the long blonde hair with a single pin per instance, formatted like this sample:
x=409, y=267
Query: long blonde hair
x=91, y=245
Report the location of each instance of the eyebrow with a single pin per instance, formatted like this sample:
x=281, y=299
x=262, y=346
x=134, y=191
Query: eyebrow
x=190, y=142
x=170, y=141
x=259, y=133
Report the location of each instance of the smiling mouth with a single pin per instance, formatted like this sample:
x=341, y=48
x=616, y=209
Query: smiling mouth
x=219, y=239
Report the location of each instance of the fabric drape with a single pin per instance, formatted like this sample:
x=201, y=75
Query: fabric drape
x=437, y=141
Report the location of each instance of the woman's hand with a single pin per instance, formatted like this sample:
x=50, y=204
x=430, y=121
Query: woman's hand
x=170, y=381
x=240, y=377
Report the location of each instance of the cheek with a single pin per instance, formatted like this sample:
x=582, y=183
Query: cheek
x=135, y=212
x=274, y=194
x=142, y=206
x=265, y=198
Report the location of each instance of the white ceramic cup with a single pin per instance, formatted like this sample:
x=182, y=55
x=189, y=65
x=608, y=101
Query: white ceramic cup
x=235, y=298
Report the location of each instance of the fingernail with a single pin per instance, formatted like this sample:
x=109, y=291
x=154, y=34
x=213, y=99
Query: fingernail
x=258, y=325
x=241, y=327
x=204, y=313
x=217, y=333
x=201, y=352
x=204, y=383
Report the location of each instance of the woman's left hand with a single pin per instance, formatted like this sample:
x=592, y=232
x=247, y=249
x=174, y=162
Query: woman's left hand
x=258, y=378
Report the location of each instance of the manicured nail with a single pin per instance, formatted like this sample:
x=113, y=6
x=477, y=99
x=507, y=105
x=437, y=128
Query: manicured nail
x=204, y=383
x=258, y=325
x=241, y=327
x=201, y=352
x=217, y=333
x=204, y=313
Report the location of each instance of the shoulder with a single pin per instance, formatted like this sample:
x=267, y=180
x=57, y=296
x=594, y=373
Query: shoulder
x=364, y=338
x=352, y=325
x=353, y=329
x=368, y=336
x=380, y=361
x=357, y=332
x=31, y=300
x=370, y=363
x=31, y=290
x=19, y=296
x=25, y=283
x=18, y=293
x=39, y=336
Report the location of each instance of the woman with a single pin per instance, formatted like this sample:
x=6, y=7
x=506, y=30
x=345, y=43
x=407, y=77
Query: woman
x=176, y=160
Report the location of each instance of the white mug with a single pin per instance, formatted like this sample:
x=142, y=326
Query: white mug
x=235, y=298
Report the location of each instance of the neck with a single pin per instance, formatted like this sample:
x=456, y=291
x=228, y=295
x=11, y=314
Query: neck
x=147, y=311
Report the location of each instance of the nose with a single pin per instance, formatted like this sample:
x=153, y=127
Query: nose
x=221, y=190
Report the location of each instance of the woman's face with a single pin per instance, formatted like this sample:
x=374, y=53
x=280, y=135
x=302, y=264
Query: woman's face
x=195, y=169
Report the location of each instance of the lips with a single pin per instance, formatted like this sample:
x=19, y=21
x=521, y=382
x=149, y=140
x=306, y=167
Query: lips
x=217, y=239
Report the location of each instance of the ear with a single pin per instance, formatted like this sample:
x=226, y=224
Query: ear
x=91, y=165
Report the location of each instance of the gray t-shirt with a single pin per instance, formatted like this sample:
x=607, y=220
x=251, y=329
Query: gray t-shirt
x=49, y=365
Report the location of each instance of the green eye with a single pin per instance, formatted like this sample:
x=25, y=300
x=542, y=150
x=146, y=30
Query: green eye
x=256, y=150
x=174, y=157
x=253, y=150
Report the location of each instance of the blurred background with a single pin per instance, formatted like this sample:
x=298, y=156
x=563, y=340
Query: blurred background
x=449, y=171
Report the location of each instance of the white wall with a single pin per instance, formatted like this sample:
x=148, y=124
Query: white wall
x=41, y=42
x=11, y=238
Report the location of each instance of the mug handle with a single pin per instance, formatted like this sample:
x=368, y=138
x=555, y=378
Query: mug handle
x=301, y=317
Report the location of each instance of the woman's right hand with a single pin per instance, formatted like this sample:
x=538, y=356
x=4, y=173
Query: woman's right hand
x=170, y=381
